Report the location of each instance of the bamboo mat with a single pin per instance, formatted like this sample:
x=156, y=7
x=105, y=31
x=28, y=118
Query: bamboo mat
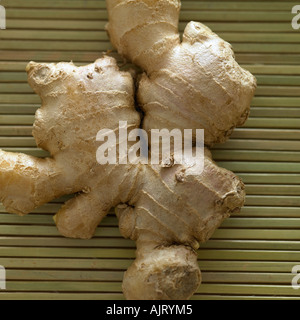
x=252, y=255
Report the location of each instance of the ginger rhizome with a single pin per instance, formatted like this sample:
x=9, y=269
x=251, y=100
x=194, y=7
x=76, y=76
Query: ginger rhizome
x=190, y=84
x=169, y=210
x=76, y=103
x=193, y=84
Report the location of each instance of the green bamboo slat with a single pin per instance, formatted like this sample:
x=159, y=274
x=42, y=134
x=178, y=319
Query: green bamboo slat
x=240, y=16
x=274, y=70
x=68, y=252
x=261, y=167
x=262, y=223
x=273, y=189
x=97, y=46
x=17, y=141
x=280, y=91
x=283, y=145
x=62, y=242
x=27, y=230
x=15, y=88
x=238, y=5
x=71, y=263
x=269, y=211
x=235, y=37
x=60, y=296
x=268, y=58
x=13, y=66
x=75, y=4
x=18, y=109
x=57, y=24
x=72, y=14
x=55, y=275
x=247, y=289
x=275, y=102
x=270, y=178
x=63, y=286
x=14, y=77
x=275, y=112
x=20, y=98
x=263, y=255
x=15, y=131
x=246, y=155
x=265, y=48
x=261, y=200
x=278, y=80
x=46, y=56
x=272, y=134
x=251, y=244
x=256, y=234
x=37, y=230
x=54, y=35
x=241, y=277
x=16, y=119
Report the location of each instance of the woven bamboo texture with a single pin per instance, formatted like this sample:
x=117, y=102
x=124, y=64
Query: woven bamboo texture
x=252, y=255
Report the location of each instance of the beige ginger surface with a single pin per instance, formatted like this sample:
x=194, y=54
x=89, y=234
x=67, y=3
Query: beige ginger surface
x=169, y=210
x=190, y=84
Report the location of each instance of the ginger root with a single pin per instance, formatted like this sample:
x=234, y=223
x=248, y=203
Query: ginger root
x=76, y=102
x=193, y=84
x=190, y=84
x=168, y=210
x=174, y=210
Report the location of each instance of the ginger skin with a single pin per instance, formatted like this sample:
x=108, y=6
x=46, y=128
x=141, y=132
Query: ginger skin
x=168, y=210
x=76, y=103
x=193, y=84
x=168, y=218
x=190, y=84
